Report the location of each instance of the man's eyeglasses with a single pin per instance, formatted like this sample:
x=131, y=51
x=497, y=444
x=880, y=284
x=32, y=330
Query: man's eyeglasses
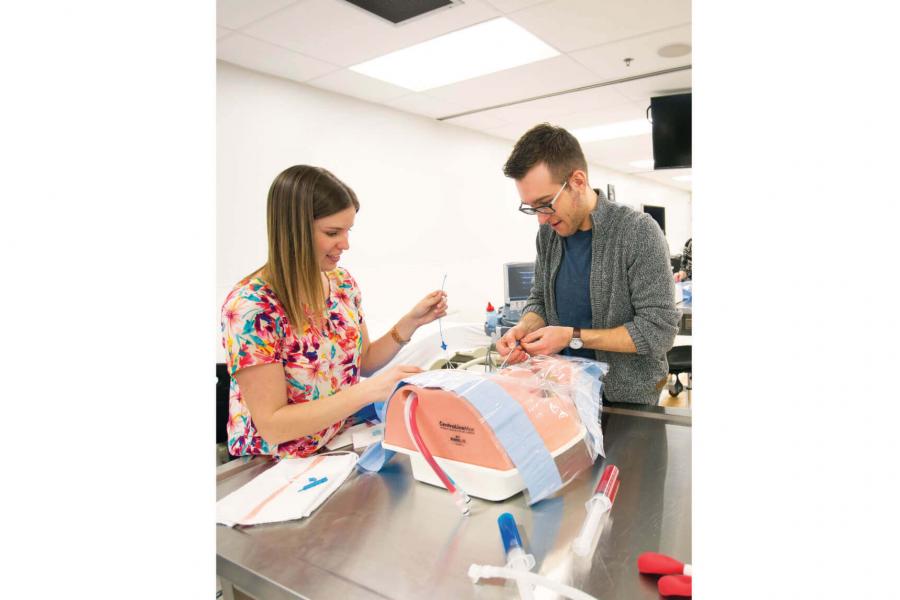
x=544, y=209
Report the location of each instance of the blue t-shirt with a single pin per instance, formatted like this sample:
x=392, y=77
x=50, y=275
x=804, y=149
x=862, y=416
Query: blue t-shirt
x=573, y=293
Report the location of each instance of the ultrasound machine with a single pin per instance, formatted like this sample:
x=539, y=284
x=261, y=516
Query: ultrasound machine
x=518, y=279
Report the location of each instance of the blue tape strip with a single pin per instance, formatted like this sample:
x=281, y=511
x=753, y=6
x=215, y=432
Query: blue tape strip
x=374, y=458
x=516, y=433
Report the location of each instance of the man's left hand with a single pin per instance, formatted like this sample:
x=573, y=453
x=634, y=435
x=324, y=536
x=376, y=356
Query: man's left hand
x=547, y=340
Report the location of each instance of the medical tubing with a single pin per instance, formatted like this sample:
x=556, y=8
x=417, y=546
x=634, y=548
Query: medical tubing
x=477, y=572
x=440, y=327
x=410, y=413
x=460, y=498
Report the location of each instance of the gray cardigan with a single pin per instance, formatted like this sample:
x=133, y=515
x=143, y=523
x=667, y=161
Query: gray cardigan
x=631, y=284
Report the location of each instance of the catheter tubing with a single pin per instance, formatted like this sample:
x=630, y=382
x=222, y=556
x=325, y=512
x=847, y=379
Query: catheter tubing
x=477, y=572
x=409, y=411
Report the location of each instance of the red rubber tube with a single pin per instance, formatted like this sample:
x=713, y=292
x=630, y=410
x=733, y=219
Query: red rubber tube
x=423, y=449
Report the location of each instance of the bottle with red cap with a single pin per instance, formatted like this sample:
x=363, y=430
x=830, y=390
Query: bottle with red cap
x=490, y=320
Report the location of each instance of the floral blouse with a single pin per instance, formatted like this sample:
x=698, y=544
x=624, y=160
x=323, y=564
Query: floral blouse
x=317, y=362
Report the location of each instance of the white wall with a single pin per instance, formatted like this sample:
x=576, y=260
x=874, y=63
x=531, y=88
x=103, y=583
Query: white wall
x=433, y=196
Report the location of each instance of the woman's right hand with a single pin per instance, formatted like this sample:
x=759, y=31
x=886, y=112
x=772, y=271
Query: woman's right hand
x=379, y=387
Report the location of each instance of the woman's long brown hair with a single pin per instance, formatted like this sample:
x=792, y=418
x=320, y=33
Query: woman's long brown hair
x=298, y=196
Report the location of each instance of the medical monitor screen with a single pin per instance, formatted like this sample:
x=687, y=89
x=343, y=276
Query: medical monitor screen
x=518, y=279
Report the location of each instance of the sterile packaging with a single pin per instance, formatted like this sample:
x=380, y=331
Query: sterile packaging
x=531, y=426
x=291, y=489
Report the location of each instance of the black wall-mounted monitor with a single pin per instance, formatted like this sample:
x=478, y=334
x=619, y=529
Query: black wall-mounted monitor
x=658, y=213
x=671, y=116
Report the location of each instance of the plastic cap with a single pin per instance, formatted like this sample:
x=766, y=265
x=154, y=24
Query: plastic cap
x=490, y=307
x=652, y=563
x=509, y=532
x=675, y=585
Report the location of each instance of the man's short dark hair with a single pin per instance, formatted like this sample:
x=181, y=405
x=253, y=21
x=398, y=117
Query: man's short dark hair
x=548, y=144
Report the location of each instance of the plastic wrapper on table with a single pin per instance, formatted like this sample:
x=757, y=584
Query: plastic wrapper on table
x=528, y=427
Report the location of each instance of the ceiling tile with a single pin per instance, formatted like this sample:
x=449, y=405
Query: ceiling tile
x=274, y=60
x=575, y=24
x=360, y=86
x=619, y=152
x=425, y=105
x=535, y=79
x=508, y=6
x=608, y=60
x=549, y=109
x=234, y=14
x=644, y=89
x=510, y=132
x=625, y=111
x=479, y=122
x=343, y=34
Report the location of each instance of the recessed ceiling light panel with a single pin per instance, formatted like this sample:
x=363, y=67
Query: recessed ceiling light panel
x=488, y=47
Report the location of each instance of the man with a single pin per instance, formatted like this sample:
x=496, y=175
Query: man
x=686, y=266
x=603, y=285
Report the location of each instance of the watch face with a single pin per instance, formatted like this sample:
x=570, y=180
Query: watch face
x=576, y=344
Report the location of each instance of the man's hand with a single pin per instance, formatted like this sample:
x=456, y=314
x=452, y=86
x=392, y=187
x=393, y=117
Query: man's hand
x=509, y=345
x=547, y=340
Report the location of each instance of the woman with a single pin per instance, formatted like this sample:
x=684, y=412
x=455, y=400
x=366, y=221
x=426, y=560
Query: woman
x=294, y=332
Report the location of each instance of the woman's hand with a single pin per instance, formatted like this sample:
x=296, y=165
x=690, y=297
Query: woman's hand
x=431, y=307
x=379, y=387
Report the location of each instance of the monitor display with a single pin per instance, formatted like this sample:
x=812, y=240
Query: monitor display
x=658, y=213
x=671, y=116
x=518, y=278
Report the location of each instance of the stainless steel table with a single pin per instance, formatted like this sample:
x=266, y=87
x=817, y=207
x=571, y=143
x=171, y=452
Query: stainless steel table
x=386, y=535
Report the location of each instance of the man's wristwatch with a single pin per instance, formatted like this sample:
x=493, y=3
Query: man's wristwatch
x=576, y=343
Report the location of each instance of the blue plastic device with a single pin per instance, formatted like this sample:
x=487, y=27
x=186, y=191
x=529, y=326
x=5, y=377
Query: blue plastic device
x=509, y=532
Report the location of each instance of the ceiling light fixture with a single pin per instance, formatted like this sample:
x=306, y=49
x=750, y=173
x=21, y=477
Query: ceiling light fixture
x=485, y=48
x=612, y=131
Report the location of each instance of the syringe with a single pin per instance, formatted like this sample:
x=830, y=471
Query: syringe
x=597, y=506
x=516, y=558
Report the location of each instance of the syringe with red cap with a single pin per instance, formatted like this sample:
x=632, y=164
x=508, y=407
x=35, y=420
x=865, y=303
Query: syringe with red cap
x=597, y=506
